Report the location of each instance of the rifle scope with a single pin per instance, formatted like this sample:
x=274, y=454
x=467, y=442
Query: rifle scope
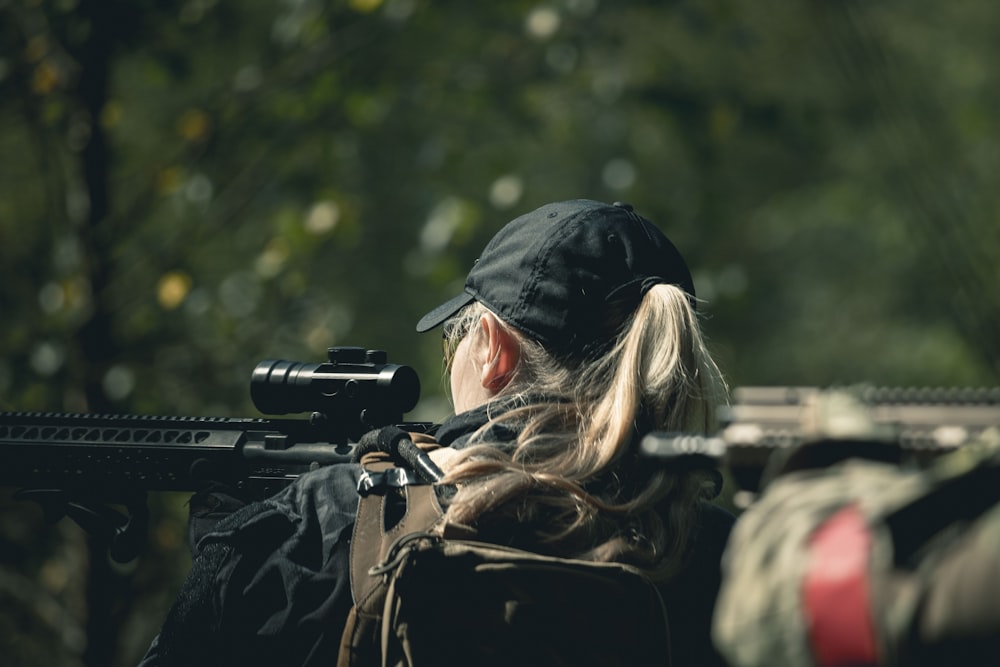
x=355, y=383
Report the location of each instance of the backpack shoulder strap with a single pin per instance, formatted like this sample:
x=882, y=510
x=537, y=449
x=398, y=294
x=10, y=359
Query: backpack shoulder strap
x=375, y=529
x=385, y=513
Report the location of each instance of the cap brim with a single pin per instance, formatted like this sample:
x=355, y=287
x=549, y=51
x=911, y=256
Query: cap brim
x=443, y=312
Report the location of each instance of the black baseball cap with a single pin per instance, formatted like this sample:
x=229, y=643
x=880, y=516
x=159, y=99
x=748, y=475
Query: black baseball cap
x=569, y=274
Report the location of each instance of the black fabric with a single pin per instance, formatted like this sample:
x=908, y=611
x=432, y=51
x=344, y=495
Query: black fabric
x=690, y=596
x=457, y=431
x=207, y=508
x=270, y=584
x=569, y=273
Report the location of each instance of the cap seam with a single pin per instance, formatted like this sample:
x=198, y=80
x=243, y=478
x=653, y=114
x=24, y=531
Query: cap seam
x=541, y=260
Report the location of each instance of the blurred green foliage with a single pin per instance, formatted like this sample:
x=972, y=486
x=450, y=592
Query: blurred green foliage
x=189, y=187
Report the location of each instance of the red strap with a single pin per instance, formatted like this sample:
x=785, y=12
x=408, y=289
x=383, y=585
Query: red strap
x=836, y=592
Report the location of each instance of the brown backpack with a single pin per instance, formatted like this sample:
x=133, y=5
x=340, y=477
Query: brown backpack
x=430, y=594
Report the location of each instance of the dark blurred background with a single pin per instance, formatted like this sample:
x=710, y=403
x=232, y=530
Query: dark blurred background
x=189, y=187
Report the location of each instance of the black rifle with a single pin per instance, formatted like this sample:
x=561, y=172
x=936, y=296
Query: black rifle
x=81, y=465
x=770, y=430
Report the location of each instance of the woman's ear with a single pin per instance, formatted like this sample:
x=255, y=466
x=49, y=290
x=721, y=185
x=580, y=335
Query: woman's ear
x=502, y=353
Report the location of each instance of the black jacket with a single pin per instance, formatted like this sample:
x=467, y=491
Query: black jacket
x=270, y=583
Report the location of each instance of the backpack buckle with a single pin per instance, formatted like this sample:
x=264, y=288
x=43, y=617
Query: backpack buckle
x=396, y=478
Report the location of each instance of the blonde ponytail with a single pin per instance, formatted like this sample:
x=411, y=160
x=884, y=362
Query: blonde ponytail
x=572, y=478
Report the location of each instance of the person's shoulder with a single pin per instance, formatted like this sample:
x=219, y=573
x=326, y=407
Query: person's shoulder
x=328, y=493
x=333, y=482
x=326, y=497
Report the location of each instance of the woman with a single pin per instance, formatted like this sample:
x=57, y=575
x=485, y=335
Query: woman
x=575, y=335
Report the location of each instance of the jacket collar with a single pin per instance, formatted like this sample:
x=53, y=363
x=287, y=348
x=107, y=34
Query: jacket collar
x=457, y=431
